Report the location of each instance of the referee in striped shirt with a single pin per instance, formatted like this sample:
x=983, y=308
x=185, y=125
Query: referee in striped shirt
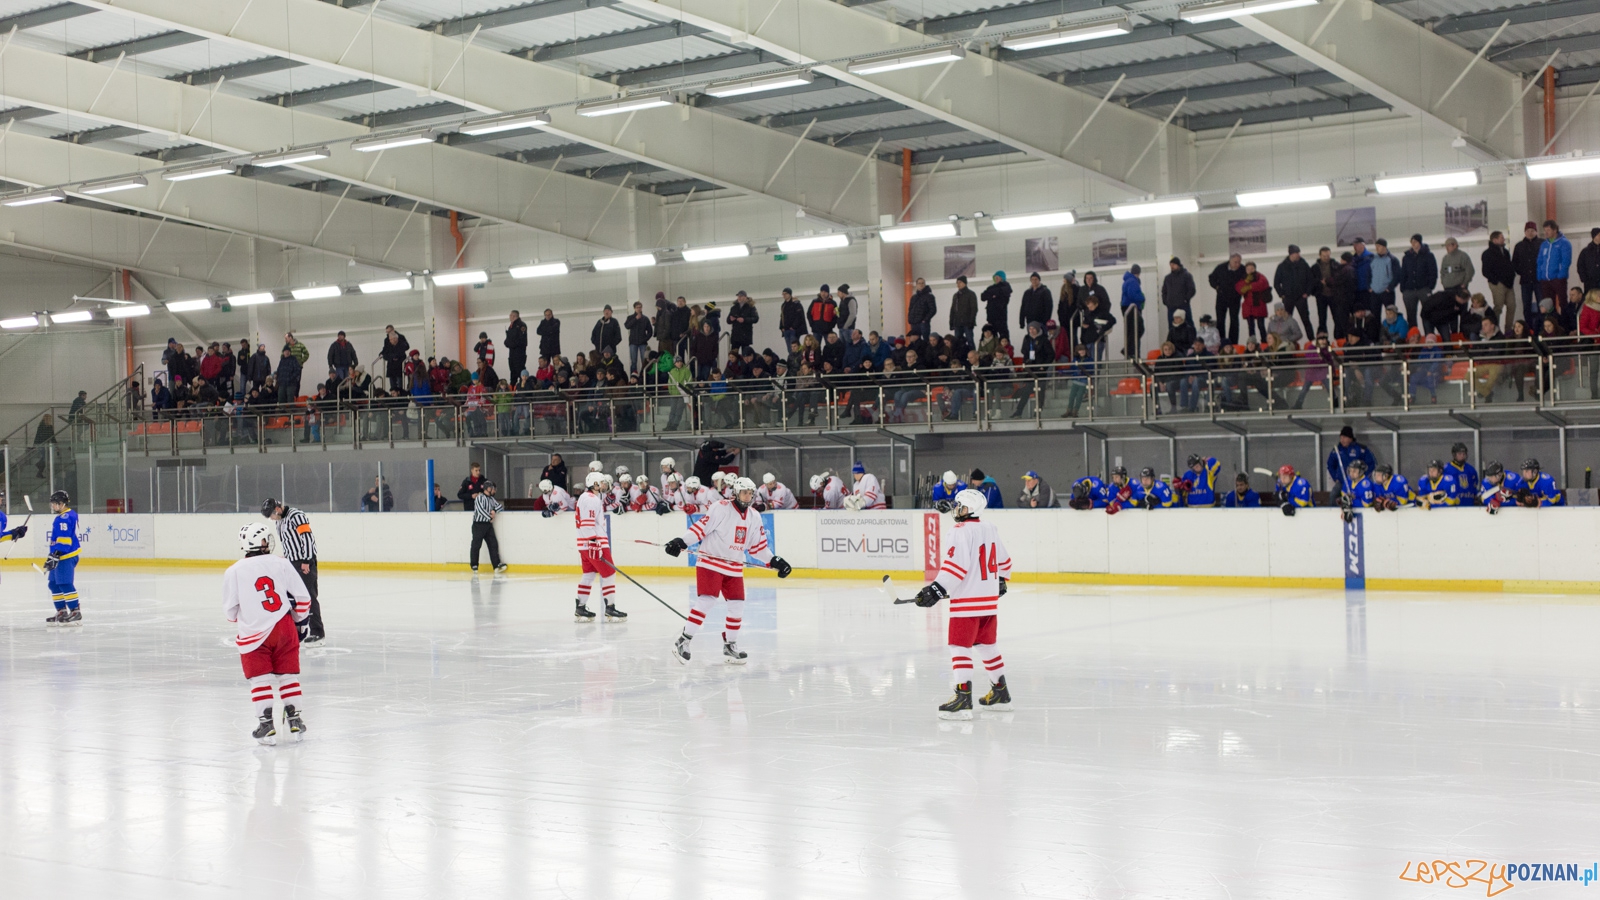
x=484, y=509
x=300, y=548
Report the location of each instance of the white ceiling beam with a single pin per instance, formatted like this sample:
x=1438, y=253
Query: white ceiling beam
x=473, y=183
x=694, y=143
x=998, y=101
x=110, y=240
x=1401, y=63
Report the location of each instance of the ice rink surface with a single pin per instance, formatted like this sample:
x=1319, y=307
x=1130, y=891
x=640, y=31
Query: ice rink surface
x=468, y=739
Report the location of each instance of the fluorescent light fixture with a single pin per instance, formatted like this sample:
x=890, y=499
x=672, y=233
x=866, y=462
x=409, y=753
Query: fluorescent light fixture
x=1068, y=34
x=647, y=100
x=376, y=142
x=20, y=322
x=629, y=261
x=111, y=185
x=539, y=270
x=1310, y=193
x=504, y=122
x=254, y=299
x=290, y=157
x=1228, y=9
x=1565, y=168
x=902, y=233
x=813, y=242
x=1433, y=181
x=929, y=56
x=188, y=305
x=67, y=318
x=387, y=285
x=774, y=82
x=723, y=251
x=1033, y=220
x=201, y=170
x=460, y=276
x=321, y=292
x=1155, y=208
x=128, y=312
x=33, y=198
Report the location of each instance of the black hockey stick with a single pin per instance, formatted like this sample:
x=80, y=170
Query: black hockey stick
x=889, y=588
x=650, y=592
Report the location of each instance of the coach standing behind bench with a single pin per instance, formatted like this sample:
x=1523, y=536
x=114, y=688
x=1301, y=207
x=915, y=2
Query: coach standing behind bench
x=484, y=509
x=300, y=548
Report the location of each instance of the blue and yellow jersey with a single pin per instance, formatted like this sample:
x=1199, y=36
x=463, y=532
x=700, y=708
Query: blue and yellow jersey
x=4, y=534
x=1159, y=494
x=1447, y=484
x=1399, y=490
x=1203, y=484
x=64, y=535
x=1232, y=500
x=1099, y=491
x=1299, y=492
x=1363, y=493
x=1544, y=487
x=1466, y=477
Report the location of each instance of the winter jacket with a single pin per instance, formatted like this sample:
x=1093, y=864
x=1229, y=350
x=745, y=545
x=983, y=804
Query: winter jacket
x=1035, y=306
x=258, y=368
x=516, y=341
x=1456, y=269
x=922, y=308
x=300, y=351
x=1182, y=336
x=1177, y=289
x=484, y=350
x=1097, y=324
x=1340, y=458
x=1362, y=265
x=1254, y=293
x=1036, y=351
x=1287, y=329
x=703, y=349
x=639, y=329
x=1497, y=265
x=1292, y=280
x=1441, y=310
x=549, y=332
x=1555, y=259
x=963, y=309
x=742, y=319
x=1525, y=259
x=855, y=352
x=1385, y=273
x=1419, y=271
x=1042, y=492
x=1132, y=291
x=792, y=316
x=996, y=299
x=1589, y=320
x=822, y=314
x=394, y=355
x=1589, y=266
x=210, y=366
x=288, y=370
x=606, y=333
x=849, y=306
x=342, y=355
x=1225, y=281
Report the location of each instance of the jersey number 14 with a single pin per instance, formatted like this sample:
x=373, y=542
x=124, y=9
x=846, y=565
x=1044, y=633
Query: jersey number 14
x=988, y=561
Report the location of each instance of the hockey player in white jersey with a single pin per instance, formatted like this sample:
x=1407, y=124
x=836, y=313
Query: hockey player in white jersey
x=973, y=575
x=728, y=531
x=773, y=495
x=672, y=493
x=555, y=498
x=594, y=549
x=621, y=493
x=829, y=489
x=697, y=497
x=719, y=483
x=269, y=601
x=669, y=469
x=868, y=494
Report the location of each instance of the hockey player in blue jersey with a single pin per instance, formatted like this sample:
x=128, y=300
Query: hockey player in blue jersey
x=1542, y=490
x=1119, y=492
x=944, y=493
x=1199, y=484
x=1089, y=492
x=1241, y=497
x=1465, y=475
x=1363, y=493
x=15, y=534
x=62, y=563
x=1294, y=492
x=1439, y=487
x=1501, y=487
x=1393, y=490
x=1151, y=492
x=1349, y=450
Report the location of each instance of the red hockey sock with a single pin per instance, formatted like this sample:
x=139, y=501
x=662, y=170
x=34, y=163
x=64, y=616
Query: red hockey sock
x=960, y=664
x=697, y=614
x=261, y=693
x=733, y=619
x=289, y=689
x=993, y=663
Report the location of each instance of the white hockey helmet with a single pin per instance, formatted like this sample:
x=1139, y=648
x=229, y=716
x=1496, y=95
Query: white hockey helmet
x=692, y=483
x=668, y=463
x=740, y=485
x=255, y=536
x=717, y=477
x=971, y=502
x=672, y=478
x=621, y=471
x=546, y=486
x=949, y=477
x=596, y=465
x=768, y=478
x=816, y=482
x=625, y=478
x=594, y=480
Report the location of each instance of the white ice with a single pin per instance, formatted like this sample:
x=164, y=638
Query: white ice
x=468, y=739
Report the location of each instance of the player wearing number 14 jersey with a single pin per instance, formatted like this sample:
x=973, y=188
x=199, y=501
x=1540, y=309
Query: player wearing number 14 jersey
x=268, y=599
x=973, y=575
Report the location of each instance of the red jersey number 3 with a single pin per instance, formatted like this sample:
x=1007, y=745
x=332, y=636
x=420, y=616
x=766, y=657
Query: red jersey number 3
x=273, y=603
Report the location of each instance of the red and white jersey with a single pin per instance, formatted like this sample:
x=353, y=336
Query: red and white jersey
x=703, y=499
x=643, y=498
x=870, y=493
x=776, y=496
x=592, y=521
x=972, y=568
x=670, y=473
x=617, y=498
x=674, y=498
x=725, y=535
x=558, y=500
x=833, y=493
x=257, y=591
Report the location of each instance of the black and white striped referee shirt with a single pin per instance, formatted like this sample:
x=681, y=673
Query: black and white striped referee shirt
x=294, y=533
x=484, y=508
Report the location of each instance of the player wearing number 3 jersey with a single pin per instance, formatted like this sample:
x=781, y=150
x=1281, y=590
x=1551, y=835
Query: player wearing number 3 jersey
x=973, y=575
x=269, y=601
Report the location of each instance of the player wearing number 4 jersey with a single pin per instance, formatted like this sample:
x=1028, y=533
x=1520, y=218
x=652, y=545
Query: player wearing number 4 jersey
x=269, y=601
x=728, y=531
x=594, y=548
x=973, y=575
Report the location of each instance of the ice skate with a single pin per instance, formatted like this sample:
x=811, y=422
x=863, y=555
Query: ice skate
x=501, y=569
x=312, y=639
x=266, y=732
x=732, y=655
x=296, y=725
x=998, y=699
x=72, y=617
x=582, y=613
x=474, y=570
x=615, y=615
x=960, y=706
x=680, y=650
x=55, y=620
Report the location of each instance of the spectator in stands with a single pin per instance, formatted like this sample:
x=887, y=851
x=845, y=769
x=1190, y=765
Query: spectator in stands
x=1036, y=302
x=1181, y=333
x=1254, y=293
x=1500, y=272
x=301, y=352
x=1472, y=320
x=1554, y=263
x=985, y=485
x=823, y=314
x=1394, y=326
x=703, y=350
x=921, y=309
x=1241, y=497
x=1036, y=347
x=1385, y=277
x=1208, y=334
x=996, y=300
x=1347, y=451
x=341, y=355
x=1293, y=282
x=742, y=319
x=1069, y=305
x=484, y=349
x=259, y=368
x=1361, y=275
x=1341, y=289
x=963, y=311
x=607, y=332
x=394, y=351
x=288, y=377
x=855, y=352
x=1284, y=326
x=849, y=309
x=1419, y=274
x=549, y=332
x=1441, y=312
x=639, y=333
x=1177, y=291
x=833, y=352
x=160, y=398
x=1323, y=273
x=516, y=344
x=1132, y=311
x=1037, y=493
x=1224, y=280
x=1455, y=268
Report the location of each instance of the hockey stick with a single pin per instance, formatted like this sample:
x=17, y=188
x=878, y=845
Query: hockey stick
x=647, y=543
x=1267, y=472
x=25, y=499
x=650, y=592
x=889, y=589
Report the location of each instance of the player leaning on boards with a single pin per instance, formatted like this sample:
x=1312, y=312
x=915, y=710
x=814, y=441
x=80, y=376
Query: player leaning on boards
x=300, y=548
x=973, y=575
x=266, y=596
x=594, y=548
x=727, y=531
x=62, y=563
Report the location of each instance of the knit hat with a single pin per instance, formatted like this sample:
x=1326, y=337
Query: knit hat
x=1174, y=261
x=1348, y=432
x=661, y=295
x=978, y=474
x=1294, y=248
x=1418, y=237
x=1000, y=274
x=858, y=468
x=1527, y=225
x=823, y=289
x=844, y=288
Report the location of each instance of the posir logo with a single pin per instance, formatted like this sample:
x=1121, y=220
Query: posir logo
x=123, y=535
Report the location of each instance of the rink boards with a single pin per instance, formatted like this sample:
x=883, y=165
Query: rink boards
x=1461, y=549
